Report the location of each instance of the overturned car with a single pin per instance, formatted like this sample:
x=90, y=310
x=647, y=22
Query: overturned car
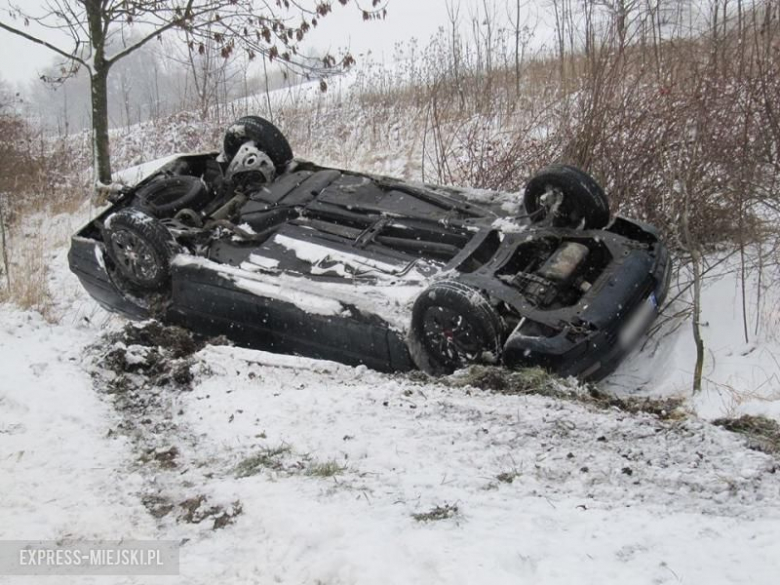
x=288, y=256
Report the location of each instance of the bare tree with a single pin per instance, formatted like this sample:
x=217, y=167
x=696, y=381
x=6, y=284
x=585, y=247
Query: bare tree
x=696, y=265
x=13, y=161
x=93, y=26
x=4, y=244
x=522, y=34
x=207, y=69
x=453, y=15
x=560, y=11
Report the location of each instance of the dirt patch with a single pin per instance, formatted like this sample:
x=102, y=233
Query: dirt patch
x=763, y=434
x=165, y=458
x=147, y=356
x=147, y=361
x=508, y=476
x=175, y=341
x=539, y=382
x=437, y=513
x=662, y=408
x=157, y=506
x=197, y=509
x=503, y=381
x=144, y=369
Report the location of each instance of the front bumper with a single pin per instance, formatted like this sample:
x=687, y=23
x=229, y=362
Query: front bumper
x=87, y=261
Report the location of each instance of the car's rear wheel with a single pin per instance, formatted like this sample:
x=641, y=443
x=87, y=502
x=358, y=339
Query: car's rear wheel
x=140, y=248
x=566, y=197
x=167, y=196
x=267, y=138
x=453, y=326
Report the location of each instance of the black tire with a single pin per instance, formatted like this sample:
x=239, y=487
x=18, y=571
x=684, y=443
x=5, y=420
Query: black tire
x=584, y=202
x=140, y=248
x=454, y=326
x=165, y=197
x=265, y=135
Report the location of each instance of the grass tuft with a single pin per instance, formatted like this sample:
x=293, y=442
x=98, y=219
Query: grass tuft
x=762, y=433
x=507, y=476
x=267, y=458
x=503, y=381
x=437, y=513
x=328, y=468
x=536, y=381
x=663, y=408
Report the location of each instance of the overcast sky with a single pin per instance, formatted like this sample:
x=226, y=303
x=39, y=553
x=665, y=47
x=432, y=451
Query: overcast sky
x=21, y=60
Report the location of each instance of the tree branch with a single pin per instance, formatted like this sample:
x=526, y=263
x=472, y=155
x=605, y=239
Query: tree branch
x=150, y=36
x=38, y=41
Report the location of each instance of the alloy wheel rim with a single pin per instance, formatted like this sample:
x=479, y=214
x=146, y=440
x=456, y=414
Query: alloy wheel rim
x=135, y=255
x=450, y=336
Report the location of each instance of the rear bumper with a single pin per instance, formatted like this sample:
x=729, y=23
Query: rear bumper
x=592, y=354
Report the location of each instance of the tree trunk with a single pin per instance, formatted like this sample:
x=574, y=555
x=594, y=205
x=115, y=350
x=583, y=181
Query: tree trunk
x=696, y=261
x=4, y=243
x=102, y=153
x=517, y=50
x=99, y=91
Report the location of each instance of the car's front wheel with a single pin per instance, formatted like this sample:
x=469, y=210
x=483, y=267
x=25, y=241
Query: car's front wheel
x=140, y=247
x=454, y=326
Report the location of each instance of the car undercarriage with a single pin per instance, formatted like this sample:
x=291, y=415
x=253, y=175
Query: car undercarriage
x=289, y=256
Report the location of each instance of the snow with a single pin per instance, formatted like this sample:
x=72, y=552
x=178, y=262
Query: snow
x=60, y=472
x=137, y=214
x=392, y=299
x=272, y=287
x=247, y=228
x=407, y=447
x=547, y=490
x=138, y=173
x=698, y=506
x=349, y=264
x=313, y=304
x=506, y=225
x=254, y=261
x=739, y=377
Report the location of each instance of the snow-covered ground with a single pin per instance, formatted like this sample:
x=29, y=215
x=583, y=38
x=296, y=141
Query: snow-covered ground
x=277, y=469
x=273, y=468
x=741, y=376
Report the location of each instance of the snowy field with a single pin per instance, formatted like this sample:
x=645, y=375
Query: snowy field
x=278, y=469
x=275, y=469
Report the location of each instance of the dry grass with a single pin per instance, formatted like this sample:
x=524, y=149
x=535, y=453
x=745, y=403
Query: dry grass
x=536, y=381
x=437, y=513
x=762, y=433
x=26, y=284
x=328, y=468
x=267, y=458
x=508, y=476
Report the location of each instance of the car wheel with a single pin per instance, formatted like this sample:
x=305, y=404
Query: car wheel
x=265, y=135
x=140, y=248
x=167, y=196
x=453, y=326
x=566, y=197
